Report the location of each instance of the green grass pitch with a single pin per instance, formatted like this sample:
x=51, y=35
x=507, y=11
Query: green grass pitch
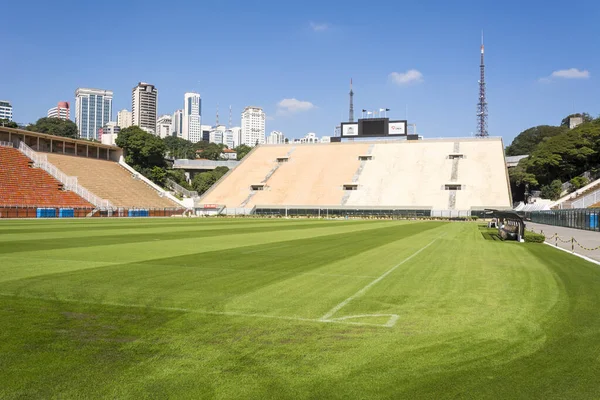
x=274, y=309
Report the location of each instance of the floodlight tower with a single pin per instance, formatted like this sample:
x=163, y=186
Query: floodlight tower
x=351, y=116
x=482, y=107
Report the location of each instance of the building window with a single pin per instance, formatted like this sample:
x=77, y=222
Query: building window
x=351, y=186
x=456, y=156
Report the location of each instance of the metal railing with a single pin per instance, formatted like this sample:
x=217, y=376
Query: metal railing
x=20, y=211
x=69, y=182
x=204, y=163
x=7, y=144
x=587, y=200
x=180, y=189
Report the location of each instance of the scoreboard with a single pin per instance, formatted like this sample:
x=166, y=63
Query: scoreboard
x=373, y=127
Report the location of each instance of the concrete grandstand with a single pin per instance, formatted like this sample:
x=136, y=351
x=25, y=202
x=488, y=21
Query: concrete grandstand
x=45, y=171
x=436, y=176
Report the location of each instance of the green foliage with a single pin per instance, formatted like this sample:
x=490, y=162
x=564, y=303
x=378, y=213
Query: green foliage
x=178, y=176
x=177, y=147
x=55, y=126
x=142, y=150
x=533, y=237
x=586, y=118
x=579, y=181
x=158, y=175
x=519, y=175
x=210, y=151
x=528, y=140
x=8, y=124
x=552, y=191
x=203, y=181
x=242, y=150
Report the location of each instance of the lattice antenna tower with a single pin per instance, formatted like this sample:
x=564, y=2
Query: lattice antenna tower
x=229, y=127
x=217, y=122
x=482, y=106
x=351, y=116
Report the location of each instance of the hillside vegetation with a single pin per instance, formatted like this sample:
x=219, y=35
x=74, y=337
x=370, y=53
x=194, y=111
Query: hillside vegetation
x=556, y=155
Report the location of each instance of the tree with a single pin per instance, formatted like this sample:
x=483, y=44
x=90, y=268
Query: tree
x=142, y=149
x=210, y=151
x=8, y=124
x=177, y=147
x=55, y=126
x=158, y=175
x=552, y=191
x=586, y=118
x=242, y=150
x=527, y=141
x=203, y=181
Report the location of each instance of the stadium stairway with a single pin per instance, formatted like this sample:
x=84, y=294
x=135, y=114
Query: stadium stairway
x=23, y=185
x=109, y=180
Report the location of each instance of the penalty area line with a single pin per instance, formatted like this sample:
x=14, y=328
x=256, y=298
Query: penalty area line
x=330, y=313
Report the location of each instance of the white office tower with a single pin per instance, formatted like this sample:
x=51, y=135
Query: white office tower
x=237, y=135
x=163, y=126
x=192, y=129
x=6, y=110
x=276, y=137
x=144, y=105
x=124, y=119
x=177, y=121
x=216, y=134
x=93, y=110
x=229, y=138
x=253, y=126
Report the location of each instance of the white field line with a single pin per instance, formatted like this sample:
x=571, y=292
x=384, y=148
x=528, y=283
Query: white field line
x=202, y=312
x=586, y=258
x=330, y=313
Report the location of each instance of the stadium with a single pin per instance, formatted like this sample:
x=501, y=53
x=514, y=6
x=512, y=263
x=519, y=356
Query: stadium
x=365, y=268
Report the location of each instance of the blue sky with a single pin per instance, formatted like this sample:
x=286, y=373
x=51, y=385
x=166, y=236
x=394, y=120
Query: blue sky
x=265, y=52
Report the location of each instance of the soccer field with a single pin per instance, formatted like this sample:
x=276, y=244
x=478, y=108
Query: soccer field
x=208, y=308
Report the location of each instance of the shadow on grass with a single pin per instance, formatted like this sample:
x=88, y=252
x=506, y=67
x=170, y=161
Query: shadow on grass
x=489, y=233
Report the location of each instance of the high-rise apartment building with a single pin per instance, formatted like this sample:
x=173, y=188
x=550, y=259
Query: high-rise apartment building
x=177, y=124
x=164, y=125
x=93, y=110
x=6, y=110
x=276, y=137
x=124, y=119
x=62, y=110
x=192, y=110
x=217, y=134
x=253, y=126
x=144, y=105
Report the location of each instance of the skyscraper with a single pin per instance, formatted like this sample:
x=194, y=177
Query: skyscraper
x=93, y=110
x=177, y=127
x=62, y=111
x=192, y=130
x=6, y=110
x=124, y=119
x=253, y=126
x=144, y=102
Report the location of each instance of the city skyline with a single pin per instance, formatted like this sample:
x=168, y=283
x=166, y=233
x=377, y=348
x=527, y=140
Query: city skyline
x=296, y=62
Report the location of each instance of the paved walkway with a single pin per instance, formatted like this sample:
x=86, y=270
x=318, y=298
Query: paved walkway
x=587, y=239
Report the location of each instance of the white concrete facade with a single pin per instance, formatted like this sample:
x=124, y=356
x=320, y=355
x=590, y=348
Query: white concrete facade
x=108, y=133
x=6, y=110
x=164, y=125
x=93, y=110
x=177, y=124
x=276, y=137
x=124, y=119
x=192, y=106
x=144, y=106
x=253, y=126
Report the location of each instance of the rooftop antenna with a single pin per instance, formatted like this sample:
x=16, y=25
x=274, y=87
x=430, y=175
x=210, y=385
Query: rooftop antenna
x=217, y=123
x=351, y=116
x=229, y=117
x=482, y=108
